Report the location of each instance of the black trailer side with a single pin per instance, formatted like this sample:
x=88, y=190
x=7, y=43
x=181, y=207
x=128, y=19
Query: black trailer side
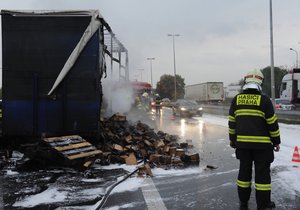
x=36, y=46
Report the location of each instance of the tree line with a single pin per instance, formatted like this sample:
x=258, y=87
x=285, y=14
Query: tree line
x=165, y=87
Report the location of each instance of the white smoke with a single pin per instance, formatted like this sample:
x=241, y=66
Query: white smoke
x=118, y=96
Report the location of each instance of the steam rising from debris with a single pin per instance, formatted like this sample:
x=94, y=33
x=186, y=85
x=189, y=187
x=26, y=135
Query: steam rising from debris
x=118, y=96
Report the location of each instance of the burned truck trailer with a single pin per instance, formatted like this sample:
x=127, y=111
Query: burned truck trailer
x=53, y=62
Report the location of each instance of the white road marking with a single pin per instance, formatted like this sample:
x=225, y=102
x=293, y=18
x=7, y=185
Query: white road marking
x=152, y=196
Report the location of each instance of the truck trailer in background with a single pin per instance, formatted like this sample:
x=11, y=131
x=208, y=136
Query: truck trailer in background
x=232, y=90
x=53, y=63
x=290, y=87
x=205, y=92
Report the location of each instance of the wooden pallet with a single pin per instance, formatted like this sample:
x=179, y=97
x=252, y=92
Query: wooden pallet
x=73, y=147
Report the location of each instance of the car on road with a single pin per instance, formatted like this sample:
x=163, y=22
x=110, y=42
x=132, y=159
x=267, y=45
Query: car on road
x=152, y=103
x=187, y=108
x=283, y=104
x=165, y=102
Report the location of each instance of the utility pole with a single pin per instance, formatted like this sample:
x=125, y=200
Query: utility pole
x=151, y=59
x=141, y=74
x=272, y=57
x=175, y=88
x=296, y=56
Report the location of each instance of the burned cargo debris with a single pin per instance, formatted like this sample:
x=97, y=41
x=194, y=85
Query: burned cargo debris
x=130, y=143
x=122, y=142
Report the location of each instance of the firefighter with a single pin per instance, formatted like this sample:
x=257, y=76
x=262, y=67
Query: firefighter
x=157, y=103
x=254, y=133
x=145, y=101
x=137, y=102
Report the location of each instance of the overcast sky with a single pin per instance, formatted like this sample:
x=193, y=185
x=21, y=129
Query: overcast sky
x=220, y=40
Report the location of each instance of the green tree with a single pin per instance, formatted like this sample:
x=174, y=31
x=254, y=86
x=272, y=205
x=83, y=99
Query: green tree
x=165, y=86
x=279, y=74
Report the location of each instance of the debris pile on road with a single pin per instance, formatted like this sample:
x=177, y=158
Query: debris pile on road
x=126, y=143
x=122, y=142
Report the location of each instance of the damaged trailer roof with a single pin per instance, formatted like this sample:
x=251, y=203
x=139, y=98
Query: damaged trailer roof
x=50, y=12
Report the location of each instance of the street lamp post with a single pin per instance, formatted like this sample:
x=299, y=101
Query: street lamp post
x=151, y=59
x=141, y=74
x=272, y=56
x=136, y=76
x=296, y=56
x=175, y=88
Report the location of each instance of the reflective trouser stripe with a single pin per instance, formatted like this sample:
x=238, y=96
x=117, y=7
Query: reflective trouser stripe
x=263, y=187
x=243, y=184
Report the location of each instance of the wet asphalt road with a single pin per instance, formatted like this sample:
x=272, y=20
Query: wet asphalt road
x=202, y=189
x=208, y=189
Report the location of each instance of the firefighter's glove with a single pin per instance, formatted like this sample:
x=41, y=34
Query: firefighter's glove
x=276, y=148
x=232, y=144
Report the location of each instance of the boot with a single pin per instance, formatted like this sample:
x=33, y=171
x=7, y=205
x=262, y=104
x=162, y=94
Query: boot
x=243, y=205
x=270, y=205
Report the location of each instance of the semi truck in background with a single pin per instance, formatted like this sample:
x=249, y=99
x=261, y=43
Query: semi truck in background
x=290, y=86
x=208, y=92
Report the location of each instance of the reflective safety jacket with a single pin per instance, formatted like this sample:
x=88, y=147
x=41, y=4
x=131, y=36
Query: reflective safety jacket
x=157, y=101
x=252, y=121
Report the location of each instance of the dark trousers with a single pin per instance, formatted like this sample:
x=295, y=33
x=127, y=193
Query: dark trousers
x=157, y=108
x=262, y=161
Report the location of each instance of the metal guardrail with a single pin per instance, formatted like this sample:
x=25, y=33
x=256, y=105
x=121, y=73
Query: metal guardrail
x=284, y=116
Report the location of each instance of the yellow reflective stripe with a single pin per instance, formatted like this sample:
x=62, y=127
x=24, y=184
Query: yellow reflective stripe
x=231, y=118
x=263, y=187
x=243, y=184
x=275, y=133
x=253, y=139
x=272, y=119
x=231, y=131
x=249, y=112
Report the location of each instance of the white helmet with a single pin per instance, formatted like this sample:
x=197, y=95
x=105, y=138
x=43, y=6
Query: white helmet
x=145, y=94
x=254, y=76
